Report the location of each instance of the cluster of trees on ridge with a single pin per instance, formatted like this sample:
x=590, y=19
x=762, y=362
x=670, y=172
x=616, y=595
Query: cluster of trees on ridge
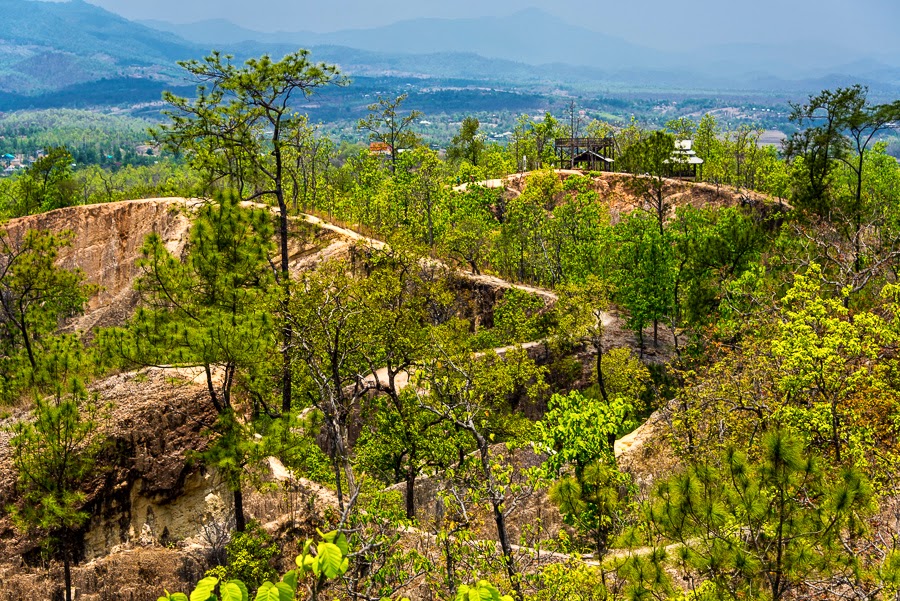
x=780, y=399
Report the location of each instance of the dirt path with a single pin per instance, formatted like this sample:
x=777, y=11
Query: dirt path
x=615, y=334
x=549, y=296
x=506, y=181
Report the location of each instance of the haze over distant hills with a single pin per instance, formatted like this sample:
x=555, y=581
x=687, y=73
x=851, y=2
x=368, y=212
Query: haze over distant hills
x=536, y=37
x=61, y=47
x=48, y=45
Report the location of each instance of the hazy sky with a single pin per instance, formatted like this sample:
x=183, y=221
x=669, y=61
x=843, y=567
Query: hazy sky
x=660, y=23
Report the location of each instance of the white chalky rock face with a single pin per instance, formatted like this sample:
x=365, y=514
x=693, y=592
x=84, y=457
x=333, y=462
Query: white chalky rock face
x=106, y=244
x=182, y=520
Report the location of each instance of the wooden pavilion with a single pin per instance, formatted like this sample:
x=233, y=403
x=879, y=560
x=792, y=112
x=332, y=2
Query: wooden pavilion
x=684, y=161
x=593, y=154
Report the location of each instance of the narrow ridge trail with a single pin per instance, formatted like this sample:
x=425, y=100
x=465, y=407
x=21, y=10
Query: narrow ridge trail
x=614, y=333
x=549, y=296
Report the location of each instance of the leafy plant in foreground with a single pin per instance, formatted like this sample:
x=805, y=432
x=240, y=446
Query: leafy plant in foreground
x=319, y=562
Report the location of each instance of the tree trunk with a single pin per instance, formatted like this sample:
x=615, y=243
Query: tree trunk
x=240, y=522
x=600, y=381
x=67, y=573
x=287, y=331
x=411, y=494
x=503, y=536
x=336, y=466
x=835, y=435
x=499, y=518
x=450, y=567
x=24, y=329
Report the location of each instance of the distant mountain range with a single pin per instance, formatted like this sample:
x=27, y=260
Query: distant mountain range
x=49, y=48
x=49, y=45
x=530, y=36
x=537, y=38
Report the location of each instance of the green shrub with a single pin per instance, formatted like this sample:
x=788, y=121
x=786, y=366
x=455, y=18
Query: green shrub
x=250, y=554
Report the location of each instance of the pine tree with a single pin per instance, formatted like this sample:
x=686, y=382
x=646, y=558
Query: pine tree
x=210, y=311
x=53, y=455
x=761, y=529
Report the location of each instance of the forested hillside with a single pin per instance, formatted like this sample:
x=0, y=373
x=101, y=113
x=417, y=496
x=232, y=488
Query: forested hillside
x=265, y=364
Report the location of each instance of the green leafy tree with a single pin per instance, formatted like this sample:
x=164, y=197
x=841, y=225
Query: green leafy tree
x=836, y=124
x=577, y=434
x=544, y=131
x=710, y=247
x=593, y=503
x=761, y=528
x=833, y=156
x=47, y=184
x=473, y=394
x=399, y=442
x=332, y=341
x=522, y=242
x=577, y=431
x=682, y=128
x=468, y=144
x=706, y=142
x=532, y=143
x=310, y=154
x=418, y=191
x=824, y=354
x=54, y=453
x=400, y=302
x=241, y=127
x=36, y=295
x=387, y=125
x=650, y=161
x=469, y=227
x=642, y=272
x=209, y=311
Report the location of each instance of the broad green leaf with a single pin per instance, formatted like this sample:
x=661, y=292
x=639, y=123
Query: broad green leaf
x=234, y=590
x=342, y=544
x=290, y=579
x=204, y=589
x=329, y=559
x=284, y=592
x=274, y=592
x=262, y=594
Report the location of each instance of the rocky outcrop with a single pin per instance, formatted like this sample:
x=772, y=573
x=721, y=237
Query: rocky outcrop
x=106, y=244
x=156, y=512
x=153, y=492
x=156, y=423
x=107, y=240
